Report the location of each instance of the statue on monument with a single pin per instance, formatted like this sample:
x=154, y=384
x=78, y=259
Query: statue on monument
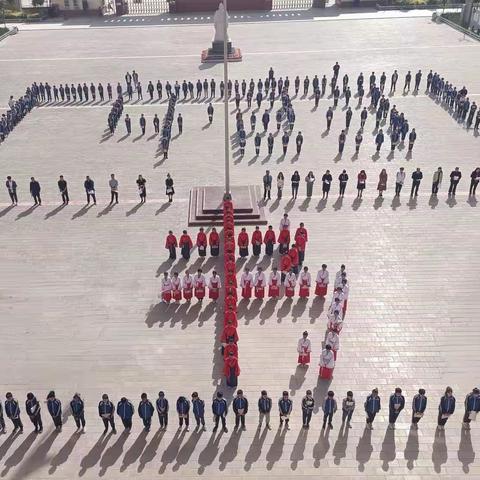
x=220, y=21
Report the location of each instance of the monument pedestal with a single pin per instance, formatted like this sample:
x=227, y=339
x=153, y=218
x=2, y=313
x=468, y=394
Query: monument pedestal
x=206, y=206
x=215, y=54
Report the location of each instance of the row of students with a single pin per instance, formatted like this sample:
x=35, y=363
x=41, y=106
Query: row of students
x=240, y=406
x=186, y=245
x=174, y=288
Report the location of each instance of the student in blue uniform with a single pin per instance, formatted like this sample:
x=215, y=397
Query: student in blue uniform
x=125, y=411
x=285, y=406
x=145, y=411
x=372, y=406
x=78, y=411
x=198, y=409
x=240, y=407
x=395, y=406
x=419, y=405
x=220, y=410
x=446, y=408
x=12, y=411
x=162, y=410
x=106, y=411
x=54, y=407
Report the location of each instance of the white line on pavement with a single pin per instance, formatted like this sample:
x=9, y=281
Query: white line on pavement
x=269, y=53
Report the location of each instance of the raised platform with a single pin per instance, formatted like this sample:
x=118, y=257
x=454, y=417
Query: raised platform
x=206, y=207
x=209, y=56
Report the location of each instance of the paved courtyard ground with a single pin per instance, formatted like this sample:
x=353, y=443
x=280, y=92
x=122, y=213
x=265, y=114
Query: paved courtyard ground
x=79, y=287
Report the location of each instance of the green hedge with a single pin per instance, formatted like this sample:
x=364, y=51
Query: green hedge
x=19, y=15
x=3, y=30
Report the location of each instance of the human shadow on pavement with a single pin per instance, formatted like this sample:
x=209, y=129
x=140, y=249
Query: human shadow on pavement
x=230, y=450
x=297, y=379
x=275, y=451
x=255, y=450
x=298, y=449
x=466, y=454
x=64, y=453
x=340, y=447
x=388, y=452
x=150, y=451
x=439, y=450
x=170, y=453
x=113, y=453
x=94, y=455
x=411, y=448
x=187, y=449
x=17, y=456
x=321, y=448
x=364, y=449
x=135, y=450
x=209, y=453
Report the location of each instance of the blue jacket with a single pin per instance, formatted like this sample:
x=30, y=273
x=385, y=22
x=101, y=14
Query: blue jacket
x=125, y=410
x=472, y=403
x=54, y=407
x=329, y=405
x=240, y=403
x=396, y=400
x=447, y=404
x=285, y=406
x=145, y=410
x=183, y=406
x=219, y=407
x=106, y=407
x=77, y=407
x=419, y=403
x=12, y=410
x=198, y=407
x=372, y=404
x=32, y=407
x=264, y=404
x=162, y=406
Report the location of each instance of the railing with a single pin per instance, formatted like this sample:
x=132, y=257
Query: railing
x=291, y=4
x=147, y=7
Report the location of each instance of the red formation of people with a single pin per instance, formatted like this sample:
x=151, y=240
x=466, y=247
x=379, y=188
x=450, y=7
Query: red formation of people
x=229, y=337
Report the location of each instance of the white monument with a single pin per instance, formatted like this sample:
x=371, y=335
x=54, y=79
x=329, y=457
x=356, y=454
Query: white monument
x=215, y=53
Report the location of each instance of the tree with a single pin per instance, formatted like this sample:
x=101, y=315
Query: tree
x=38, y=3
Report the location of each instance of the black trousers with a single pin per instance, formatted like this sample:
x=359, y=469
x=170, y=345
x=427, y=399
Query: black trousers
x=163, y=420
x=453, y=187
x=415, y=186
x=200, y=419
x=441, y=421
x=37, y=199
x=17, y=423
x=113, y=196
x=127, y=423
x=415, y=419
x=347, y=415
x=329, y=417
x=306, y=416
x=13, y=197
x=343, y=185
x=182, y=419
x=473, y=186
x=217, y=419
x=435, y=187
x=57, y=421
x=109, y=421
x=269, y=249
x=371, y=417
x=65, y=197
x=392, y=416
x=295, y=190
x=80, y=420
x=266, y=192
x=239, y=419
x=92, y=195
x=37, y=422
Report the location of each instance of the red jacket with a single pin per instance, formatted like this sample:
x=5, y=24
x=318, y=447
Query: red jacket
x=213, y=239
x=269, y=237
x=285, y=263
x=201, y=239
x=185, y=239
x=293, y=254
x=243, y=239
x=231, y=347
x=301, y=232
x=284, y=237
x=231, y=362
x=257, y=237
x=229, y=331
x=171, y=241
x=300, y=242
